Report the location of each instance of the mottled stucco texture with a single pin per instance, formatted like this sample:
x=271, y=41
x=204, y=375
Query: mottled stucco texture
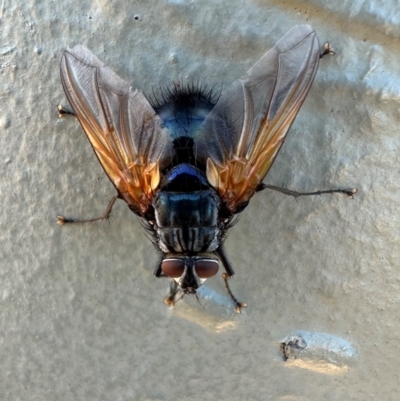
x=81, y=315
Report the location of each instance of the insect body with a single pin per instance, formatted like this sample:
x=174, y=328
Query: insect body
x=189, y=163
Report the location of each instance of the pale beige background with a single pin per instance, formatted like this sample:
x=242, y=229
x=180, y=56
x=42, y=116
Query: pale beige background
x=81, y=316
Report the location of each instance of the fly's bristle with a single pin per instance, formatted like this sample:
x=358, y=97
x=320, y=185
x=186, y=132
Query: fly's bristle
x=178, y=91
x=227, y=226
x=151, y=234
x=231, y=222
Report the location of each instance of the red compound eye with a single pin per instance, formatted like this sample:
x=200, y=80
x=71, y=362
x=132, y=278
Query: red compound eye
x=206, y=268
x=173, y=268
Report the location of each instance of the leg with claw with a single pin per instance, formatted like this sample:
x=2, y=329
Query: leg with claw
x=327, y=50
x=347, y=191
x=64, y=112
x=170, y=300
x=239, y=305
x=61, y=220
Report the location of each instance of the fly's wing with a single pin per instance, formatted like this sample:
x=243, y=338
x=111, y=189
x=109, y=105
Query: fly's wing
x=242, y=135
x=123, y=129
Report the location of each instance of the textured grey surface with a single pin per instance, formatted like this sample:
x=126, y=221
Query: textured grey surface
x=82, y=316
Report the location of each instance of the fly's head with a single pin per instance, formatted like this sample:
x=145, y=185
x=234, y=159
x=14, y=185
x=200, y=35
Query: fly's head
x=188, y=271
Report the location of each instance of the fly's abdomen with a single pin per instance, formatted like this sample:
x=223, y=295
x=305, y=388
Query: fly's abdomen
x=187, y=221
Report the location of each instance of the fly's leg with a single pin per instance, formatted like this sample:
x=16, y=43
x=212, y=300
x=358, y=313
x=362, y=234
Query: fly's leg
x=173, y=290
x=327, y=50
x=347, y=191
x=61, y=220
x=64, y=112
x=220, y=252
x=239, y=305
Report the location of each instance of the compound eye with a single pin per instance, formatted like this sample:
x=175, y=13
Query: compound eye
x=173, y=268
x=206, y=268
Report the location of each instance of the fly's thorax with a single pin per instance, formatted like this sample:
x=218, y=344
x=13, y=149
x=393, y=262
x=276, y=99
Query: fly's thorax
x=189, y=271
x=187, y=221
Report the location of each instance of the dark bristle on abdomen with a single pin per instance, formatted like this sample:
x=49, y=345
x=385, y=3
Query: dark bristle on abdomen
x=184, y=95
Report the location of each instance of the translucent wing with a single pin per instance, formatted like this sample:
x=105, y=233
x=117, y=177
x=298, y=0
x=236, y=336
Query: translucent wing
x=242, y=135
x=126, y=134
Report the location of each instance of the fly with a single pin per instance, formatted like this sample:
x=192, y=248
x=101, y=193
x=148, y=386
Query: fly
x=189, y=162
